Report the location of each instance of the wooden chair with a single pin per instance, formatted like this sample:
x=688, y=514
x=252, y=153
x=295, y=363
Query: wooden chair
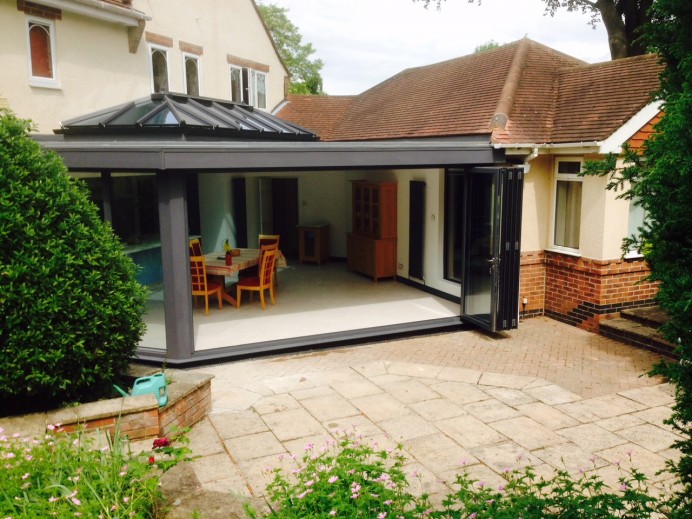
x=265, y=281
x=201, y=286
x=266, y=241
x=196, y=247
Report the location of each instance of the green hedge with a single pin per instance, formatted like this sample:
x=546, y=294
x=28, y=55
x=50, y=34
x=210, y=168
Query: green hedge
x=70, y=306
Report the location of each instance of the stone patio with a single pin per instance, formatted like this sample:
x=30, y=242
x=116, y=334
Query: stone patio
x=547, y=394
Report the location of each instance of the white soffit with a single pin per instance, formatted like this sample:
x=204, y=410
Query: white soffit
x=99, y=10
x=613, y=144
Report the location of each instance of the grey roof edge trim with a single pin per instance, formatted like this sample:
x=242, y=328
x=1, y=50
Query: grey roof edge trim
x=295, y=156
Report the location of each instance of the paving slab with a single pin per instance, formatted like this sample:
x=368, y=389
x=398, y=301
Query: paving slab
x=570, y=457
x=253, y=446
x=468, y=431
x=527, y=432
x=592, y=437
x=292, y=424
x=380, y=407
x=547, y=415
x=407, y=427
x=232, y=424
x=490, y=410
x=649, y=436
x=504, y=457
x=437, y=409
x=410, y=391
x=329, y=407
x=439, y=452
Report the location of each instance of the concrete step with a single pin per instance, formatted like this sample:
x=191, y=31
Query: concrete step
x=633, y=332
x=649, y=316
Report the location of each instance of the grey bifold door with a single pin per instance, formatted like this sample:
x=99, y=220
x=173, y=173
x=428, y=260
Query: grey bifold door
x=491, y=247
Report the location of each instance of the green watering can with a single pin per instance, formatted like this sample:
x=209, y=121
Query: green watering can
x=153, y=384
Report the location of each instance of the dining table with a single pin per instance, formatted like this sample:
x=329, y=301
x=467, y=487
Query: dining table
x=216, y=265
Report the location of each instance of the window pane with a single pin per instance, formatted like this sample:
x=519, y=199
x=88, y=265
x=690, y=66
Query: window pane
x=159, y=71
x=454, y=225
x=191, y=76
x=41, y=57
x=565, y=166
x=236, y=86
x=567, y=213
x=261, y=91
x=246, y=86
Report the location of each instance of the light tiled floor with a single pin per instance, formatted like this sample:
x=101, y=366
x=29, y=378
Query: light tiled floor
x=547, y=394
x=310, y=300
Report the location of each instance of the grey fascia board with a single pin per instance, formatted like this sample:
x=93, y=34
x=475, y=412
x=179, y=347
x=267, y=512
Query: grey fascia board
x=200, y=156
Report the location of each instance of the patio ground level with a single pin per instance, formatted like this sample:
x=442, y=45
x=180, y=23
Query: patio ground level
x=546, y=394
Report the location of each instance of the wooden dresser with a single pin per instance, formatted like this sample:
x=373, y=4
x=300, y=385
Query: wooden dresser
x=371, y=246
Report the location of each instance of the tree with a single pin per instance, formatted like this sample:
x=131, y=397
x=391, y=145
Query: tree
x=623, y=20
x=305, y=72
x=488, y=45
x=70, y=306
x=660, y=180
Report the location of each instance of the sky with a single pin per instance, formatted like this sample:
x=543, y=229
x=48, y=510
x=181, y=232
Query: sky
x=364, y=42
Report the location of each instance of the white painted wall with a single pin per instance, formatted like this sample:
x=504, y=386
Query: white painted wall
x=96, y=70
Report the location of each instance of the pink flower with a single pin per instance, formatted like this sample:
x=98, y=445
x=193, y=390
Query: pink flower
x=333, y=479
x=382, y=515
x=76, y=501
x=126, y=499
x=332, y=513
x=25, y=476
x=152, y=460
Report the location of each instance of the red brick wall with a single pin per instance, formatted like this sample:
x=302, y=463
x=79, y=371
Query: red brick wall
x=532, y=283
x=187, y=411
x=582, y=291
x=50, y=13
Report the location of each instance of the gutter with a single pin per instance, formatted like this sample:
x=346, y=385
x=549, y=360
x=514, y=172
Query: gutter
x=100, y=10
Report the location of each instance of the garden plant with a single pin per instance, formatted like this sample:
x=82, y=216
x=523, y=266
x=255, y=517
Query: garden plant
x=70, y=306
x=84, y=474
x=352, y=478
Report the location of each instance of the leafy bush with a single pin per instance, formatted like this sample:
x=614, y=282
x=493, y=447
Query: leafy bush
x=343, y=479
x=66, y=475
x=351, y=479
x=70, y=307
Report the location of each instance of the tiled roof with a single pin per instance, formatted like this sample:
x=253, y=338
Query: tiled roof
x=320, y=114
x=594, y=100
x=522, y=92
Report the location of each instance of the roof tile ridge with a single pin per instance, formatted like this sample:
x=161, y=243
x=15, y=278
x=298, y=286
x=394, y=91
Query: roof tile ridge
x=509, y=90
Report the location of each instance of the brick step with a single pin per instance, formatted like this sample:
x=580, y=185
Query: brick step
x=648, y=316
x=637, y=334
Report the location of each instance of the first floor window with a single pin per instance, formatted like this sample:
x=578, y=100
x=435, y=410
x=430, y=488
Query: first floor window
x=191, y=75
x=41, y=51
x=567, y=220
x=237, y=89
x=248, y=86
x=261, y=89
x=159, y=69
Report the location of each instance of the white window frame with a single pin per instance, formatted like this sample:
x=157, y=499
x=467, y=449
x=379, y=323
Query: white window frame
x=256, y=90
x=38, y=81
x=252, y=76
x=565, y=177
x=231, y=68
x=151, y=49
x=186, y=56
